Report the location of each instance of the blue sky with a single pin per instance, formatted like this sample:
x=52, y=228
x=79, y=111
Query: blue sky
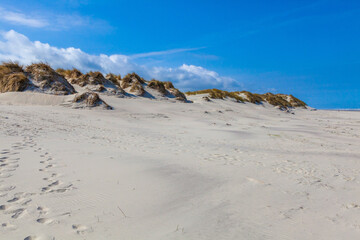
x=306, y=48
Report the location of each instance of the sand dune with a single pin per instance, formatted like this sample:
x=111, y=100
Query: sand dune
x=169, y=170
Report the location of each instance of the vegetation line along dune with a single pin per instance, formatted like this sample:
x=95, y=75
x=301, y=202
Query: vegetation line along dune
x=282, y=101
x=40, y=77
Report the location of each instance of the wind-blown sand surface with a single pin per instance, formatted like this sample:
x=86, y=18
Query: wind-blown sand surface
x=169, y=170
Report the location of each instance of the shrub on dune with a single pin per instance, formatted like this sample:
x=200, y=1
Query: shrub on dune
x=93, y=78
x=178, y=94
x=130, y=78
x=115, y=79
x=12, y=77
x=276, y=100
x=134, y=82
x=137, y=89
x=168, y=85
x=293, y=101
x=251, y=97
x=69, y=74
x=46, y=79
x=10, y=67
x=174, y=91
x=14, y=82
x=155, y=84
x=89, y=100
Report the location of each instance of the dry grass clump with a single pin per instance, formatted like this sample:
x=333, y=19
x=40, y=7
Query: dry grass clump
x=40, y=67
x=178, y=94
x=293, y=101
x=218, y=94
x=45, y=78
x=95, y=81
x=10, y=67
x=174, y=91
x=275, y=100
x=168, y=85
x=12, y=77
x=130, y=78
x=62, y=72
x=234, y=96
x=251, y=97
x=93, y=78
x=155, y=84
x=135, y=82
x=14, y=82
x=115, y=79
x=90, y=99
x=137, y=89
x=68, y=74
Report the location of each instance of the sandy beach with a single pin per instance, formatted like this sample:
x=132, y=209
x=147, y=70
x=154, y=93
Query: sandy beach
x=156, y=169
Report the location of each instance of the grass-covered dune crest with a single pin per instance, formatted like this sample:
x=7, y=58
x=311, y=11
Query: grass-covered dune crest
x=282, y=101
x=41, y=77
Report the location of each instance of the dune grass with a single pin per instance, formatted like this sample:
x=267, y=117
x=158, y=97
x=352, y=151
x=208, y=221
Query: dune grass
x=115, y=79
x=69, y=73
x=294, y=102
x=279, y=100
x=251, y=97
x=218, y=94
x=158, y=85
x=14, y=82
x=168, y=85
x=90, y=99
x=10, y=67
x=12, y=77
x=131, y=77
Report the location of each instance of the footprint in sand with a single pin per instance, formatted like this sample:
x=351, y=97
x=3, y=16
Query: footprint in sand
x=18, y=213
x=80, y=229
x=26, y=202
x=50, y=186
x=31, y=238
x=8, y=226
x=44, y=220
x=15, y=199
x=3, y=207
x=45, y=189
x=51, y=177
x=42, y=210
x=49, y=166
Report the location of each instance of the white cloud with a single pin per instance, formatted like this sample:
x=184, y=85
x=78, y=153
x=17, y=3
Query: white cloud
x=50, y=20
x=21, y=19
x=166, y=52
x=189, y=77
x=17, y=47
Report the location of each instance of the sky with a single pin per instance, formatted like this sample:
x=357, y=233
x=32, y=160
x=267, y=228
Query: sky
x=309, y=49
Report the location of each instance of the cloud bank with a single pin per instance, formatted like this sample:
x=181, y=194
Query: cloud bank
x=17, y=47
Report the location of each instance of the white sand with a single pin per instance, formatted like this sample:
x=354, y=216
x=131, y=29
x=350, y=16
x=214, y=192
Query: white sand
x=161, y=170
